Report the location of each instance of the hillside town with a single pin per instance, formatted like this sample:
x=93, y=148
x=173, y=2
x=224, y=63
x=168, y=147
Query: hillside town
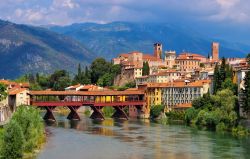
x=166, y=78
x=176, y=80
x=209, y=92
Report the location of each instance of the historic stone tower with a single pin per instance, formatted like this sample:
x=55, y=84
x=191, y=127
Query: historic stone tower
x=158, y=50
x=215, y=51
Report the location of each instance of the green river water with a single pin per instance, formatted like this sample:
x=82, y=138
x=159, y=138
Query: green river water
x=136, y=139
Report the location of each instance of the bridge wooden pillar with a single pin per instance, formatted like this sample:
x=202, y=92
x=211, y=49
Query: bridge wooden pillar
x=120, y=113
x=73, y=115
x=97, y=113
x=49, y=114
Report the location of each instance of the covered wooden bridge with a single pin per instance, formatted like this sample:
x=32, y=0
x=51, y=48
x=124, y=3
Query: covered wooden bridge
x=96, y=100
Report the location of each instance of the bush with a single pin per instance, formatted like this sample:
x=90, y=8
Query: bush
x=13, y=141
x=221, y=127
x=190, y=114
x=32, y=126
x=87, y=112
x=176, y=115
x=240, y=131
x=156, y=110
x=108, y=111
x=200, y=120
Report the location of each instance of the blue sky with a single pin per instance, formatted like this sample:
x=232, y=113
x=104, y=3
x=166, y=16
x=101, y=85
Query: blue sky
x=228, y=18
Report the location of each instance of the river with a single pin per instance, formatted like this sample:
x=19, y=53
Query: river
x=136, y=139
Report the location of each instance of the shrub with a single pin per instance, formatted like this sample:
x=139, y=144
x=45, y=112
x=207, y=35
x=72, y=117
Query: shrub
x=240, y=131
x=156, y=110
x=108, y=111
x=190, y=114
x=200, y=120
x=31, y=125
x=87, y=112
x=176, y=115
x=221, y=127
x=13, y=141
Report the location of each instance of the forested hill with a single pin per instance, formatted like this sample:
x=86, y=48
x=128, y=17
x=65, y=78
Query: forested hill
x=28, y=49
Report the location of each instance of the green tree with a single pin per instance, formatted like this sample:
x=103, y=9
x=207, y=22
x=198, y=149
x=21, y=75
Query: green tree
x=59, y=80
x=105, y=80
x=190, y=114
x=130, y=84
x=145, y=69
x=3, y=93
x=98, y=68
x=116, y=69
x=216, y=79
x=156, y=110
x=246, y=91
x=13, y=141
x=228, y=84
x=30, y=121
x=223, y=70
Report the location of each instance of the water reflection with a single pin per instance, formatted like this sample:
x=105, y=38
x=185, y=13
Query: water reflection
x=137, y=139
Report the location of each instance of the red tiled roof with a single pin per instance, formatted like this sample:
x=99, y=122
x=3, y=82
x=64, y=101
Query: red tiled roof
x=15, y=91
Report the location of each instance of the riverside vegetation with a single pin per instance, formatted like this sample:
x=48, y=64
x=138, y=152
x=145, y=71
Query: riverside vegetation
x=220, y=111
x=23, y=134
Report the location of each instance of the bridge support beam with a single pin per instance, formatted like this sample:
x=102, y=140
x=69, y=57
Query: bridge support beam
x=49, y=114
x=120, y=113
x=73, y=115
x=97, y=113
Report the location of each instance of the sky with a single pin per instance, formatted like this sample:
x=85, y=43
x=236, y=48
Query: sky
x=214, y=14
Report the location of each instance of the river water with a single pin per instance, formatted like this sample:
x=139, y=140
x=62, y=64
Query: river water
x=136, y=139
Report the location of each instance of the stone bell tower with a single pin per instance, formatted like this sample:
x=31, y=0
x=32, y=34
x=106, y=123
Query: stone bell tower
x=215, y=51
x=158, y=50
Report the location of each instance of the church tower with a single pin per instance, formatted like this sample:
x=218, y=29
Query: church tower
x=215, y=51
x=158, y=50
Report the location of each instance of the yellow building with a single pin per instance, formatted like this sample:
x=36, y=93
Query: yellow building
x=177, y=93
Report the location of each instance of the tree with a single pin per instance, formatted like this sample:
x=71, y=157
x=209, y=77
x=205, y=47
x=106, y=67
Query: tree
x=246, y=90
x=145, y=69
x=59, y=80
x=246, y=93
x=30, y=121
x=37, y=77
x=228, y=84
x=216, y=79
x=13, y=141
x=223, y=70
x=156, y=110
x=98, y=68
x=116, y=69
x=105, y=80
x=3, y=93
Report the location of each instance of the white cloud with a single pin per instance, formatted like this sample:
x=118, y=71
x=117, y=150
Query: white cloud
x=70, y=11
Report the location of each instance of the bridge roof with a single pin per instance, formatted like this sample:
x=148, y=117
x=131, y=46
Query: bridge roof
x=87, y=93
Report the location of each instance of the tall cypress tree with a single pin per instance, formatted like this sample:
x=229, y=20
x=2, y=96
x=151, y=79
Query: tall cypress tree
x=216, y=80
x=246, y=92
x=223, y=70
x=145, y=69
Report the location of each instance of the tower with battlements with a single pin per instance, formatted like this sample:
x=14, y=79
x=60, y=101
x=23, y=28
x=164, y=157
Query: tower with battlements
x=215, y=51
x=158, y=50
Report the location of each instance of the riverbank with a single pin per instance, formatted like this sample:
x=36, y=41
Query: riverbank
x=24, y=135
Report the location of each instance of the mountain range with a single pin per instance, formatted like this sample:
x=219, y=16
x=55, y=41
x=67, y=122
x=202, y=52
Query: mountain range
x=108, y=40
x=28, y=49
x=31, y=49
